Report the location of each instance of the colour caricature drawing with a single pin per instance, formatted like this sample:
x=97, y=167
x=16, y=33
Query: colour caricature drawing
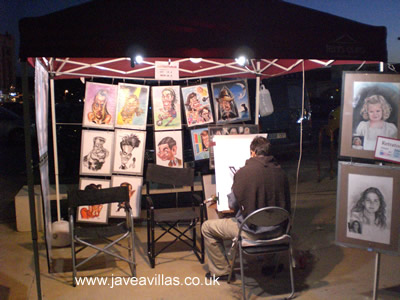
x=99, y=107
x=166, y=107
x=132, y=106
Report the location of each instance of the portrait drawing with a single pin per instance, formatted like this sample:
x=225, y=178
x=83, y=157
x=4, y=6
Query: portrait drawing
x=134, y=184
x=197, y=105
x=168, y=149
x=100, y=103
x=231, y=101
x=166, y=106
x=93, y=213
x=129, y=151
x=132, y=106
x=96, y=152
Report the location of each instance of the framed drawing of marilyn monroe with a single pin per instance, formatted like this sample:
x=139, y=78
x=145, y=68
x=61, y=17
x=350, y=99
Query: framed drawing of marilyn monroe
x=367, y=206
x=370, y=108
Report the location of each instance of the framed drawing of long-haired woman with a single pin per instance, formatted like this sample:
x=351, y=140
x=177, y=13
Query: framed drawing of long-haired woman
x=370, y=108
x=367, y=206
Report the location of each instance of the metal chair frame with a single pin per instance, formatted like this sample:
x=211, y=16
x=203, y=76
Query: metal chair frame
x=125, y=228
x=267, y=216
x=168, y=224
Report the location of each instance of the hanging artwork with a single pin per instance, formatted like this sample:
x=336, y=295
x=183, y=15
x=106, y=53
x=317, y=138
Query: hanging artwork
x=228, y=129
x=197, y=104
x=200, y=142
x=367, y=206
x=97, y=149
x=168, y=148
x=128, y=151
x=166, y=106
x=93, y=213
x=100, y=102
x=132, y=106
x=231, y=101
x=134, y=185
x=370, y=108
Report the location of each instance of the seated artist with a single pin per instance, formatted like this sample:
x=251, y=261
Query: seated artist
x=260, y=183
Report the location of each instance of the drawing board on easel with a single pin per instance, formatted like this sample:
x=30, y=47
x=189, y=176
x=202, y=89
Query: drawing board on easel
x=230, y=151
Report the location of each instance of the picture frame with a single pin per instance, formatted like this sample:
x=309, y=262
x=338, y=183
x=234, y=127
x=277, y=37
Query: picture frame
x=169, y=148
x=129, y=149
x=97, y=149
x=135, y=184
x=227, y=129
x=100, y=103
x=197, y=104
x=367, y=207
x=200, y=143
x=132, y=106
x=368, y=90
x=166, y=107
x=231, y=101
x=95, y=213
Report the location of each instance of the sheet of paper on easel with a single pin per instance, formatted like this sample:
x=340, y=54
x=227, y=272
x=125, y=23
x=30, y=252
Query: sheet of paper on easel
x=230, y=153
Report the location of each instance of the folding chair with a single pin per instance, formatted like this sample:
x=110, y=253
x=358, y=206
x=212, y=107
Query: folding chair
x=87, y=235
x=267, y=216
x=177, y=221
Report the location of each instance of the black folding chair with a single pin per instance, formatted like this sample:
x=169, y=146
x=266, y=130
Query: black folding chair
x=85, y=236
x=177, y=221
x=267, y=216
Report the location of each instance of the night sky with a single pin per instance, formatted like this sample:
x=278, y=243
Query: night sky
x=372, y=12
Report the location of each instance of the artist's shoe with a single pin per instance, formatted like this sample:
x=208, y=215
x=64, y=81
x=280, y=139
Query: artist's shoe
x=221, y=278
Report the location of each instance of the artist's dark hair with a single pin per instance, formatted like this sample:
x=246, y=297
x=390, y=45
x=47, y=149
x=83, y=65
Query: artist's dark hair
x=261, y=146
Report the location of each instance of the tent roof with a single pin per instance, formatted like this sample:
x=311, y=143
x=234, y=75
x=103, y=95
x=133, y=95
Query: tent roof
x=265, y=30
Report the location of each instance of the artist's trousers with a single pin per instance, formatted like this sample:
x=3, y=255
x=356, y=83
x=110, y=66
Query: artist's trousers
x=215, y=232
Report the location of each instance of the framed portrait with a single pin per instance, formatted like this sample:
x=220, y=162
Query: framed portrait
x=196, y=100
x=166, y=107
x=100, y=103
x=368, y=206
x=228, y=129
x=168, y=148
x=231, y=101
x=129, y=147
x=200, y=143
x=370, y=108
x=97, y=147
x=93, y=213
x=132, y=106
x=134, y=184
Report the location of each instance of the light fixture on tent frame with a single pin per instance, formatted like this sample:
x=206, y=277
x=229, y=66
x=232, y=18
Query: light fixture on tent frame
x=136, y=60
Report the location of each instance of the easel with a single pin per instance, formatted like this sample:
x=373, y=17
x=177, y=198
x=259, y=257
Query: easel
x=376, y=275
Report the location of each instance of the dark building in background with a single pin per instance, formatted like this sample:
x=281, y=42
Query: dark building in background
x=7, y=63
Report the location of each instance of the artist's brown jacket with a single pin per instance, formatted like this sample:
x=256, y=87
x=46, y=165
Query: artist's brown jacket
x=261, y=183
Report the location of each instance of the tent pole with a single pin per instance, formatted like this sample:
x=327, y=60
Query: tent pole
x=55, y=152
x=257, y=109
x=29, y=173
